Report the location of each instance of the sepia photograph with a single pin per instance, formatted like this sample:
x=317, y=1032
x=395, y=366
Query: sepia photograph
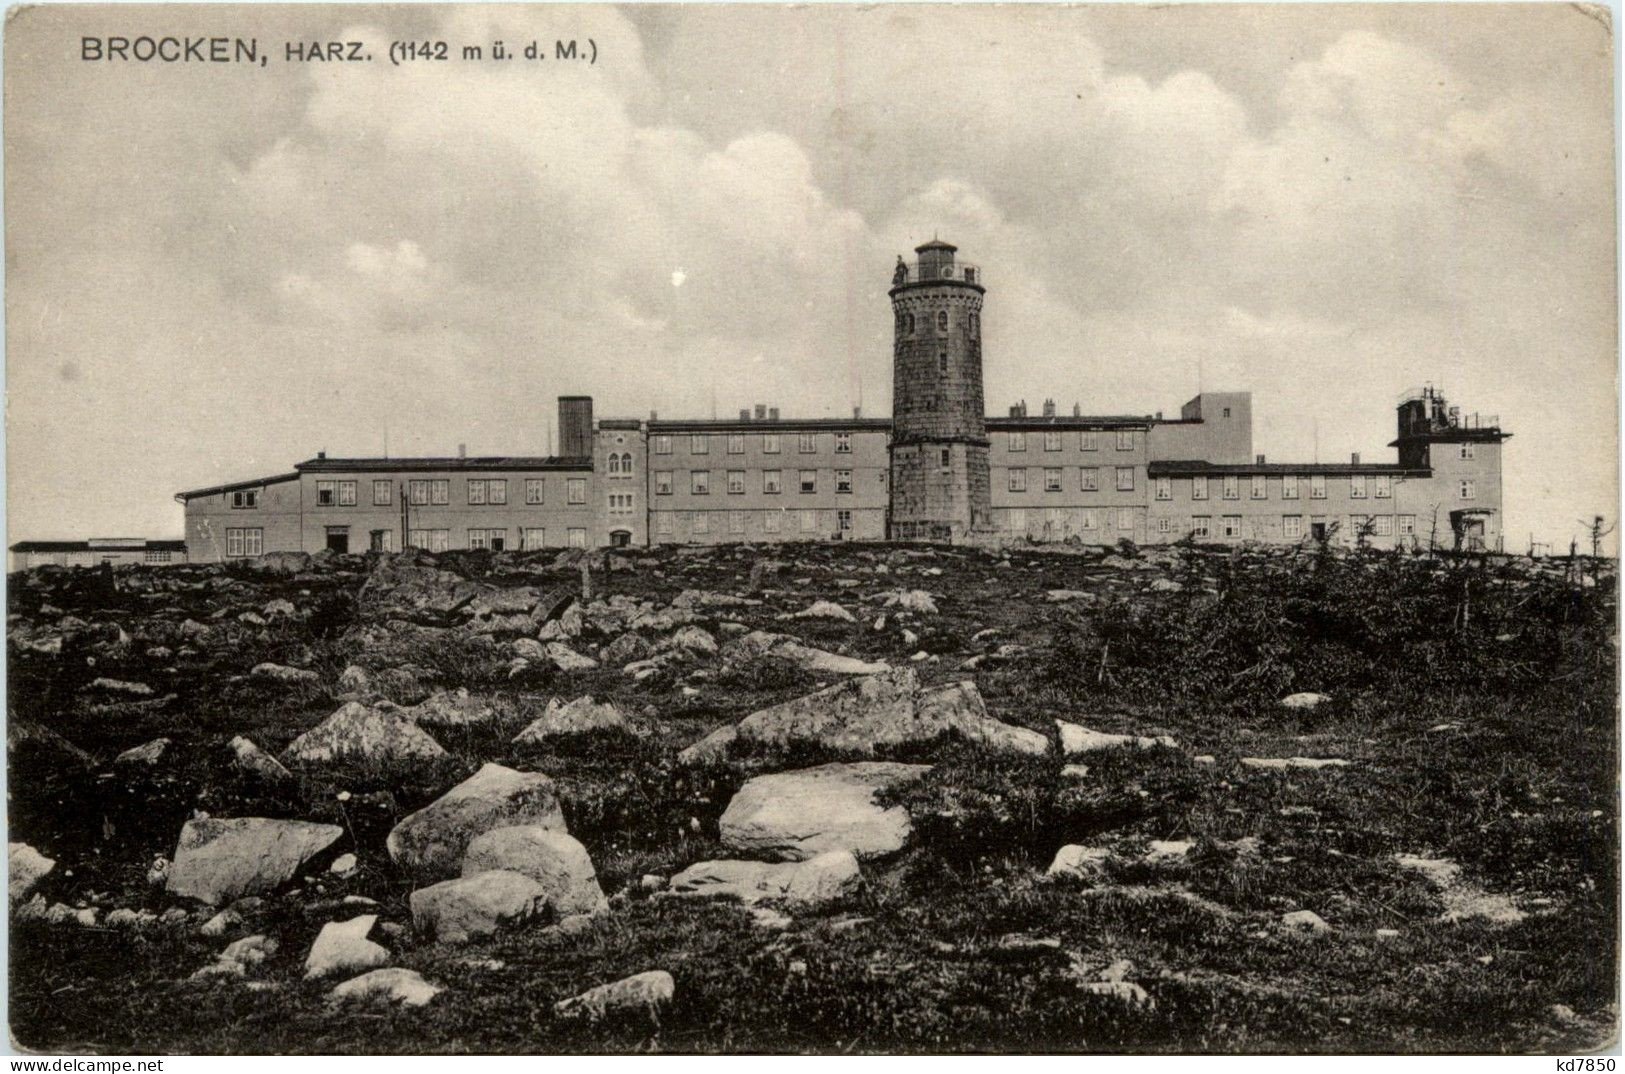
x=896, y=529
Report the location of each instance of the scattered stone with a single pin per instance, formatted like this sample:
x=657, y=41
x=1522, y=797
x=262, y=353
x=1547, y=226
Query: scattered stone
x=255, y=761
x=455, y=911
x=1126, y=992
x=126, y=918
x=362, y=732
x=1305, y=700
x=1305, y=921
x=692, y=639
x=913, y=600
x=577, y=717
x=26, y=867
x=794, y=816
x=645, y=995
x=824, y=609
x=762, y=644
x=221, y=923
x=1461, y=899
x=1087, y=863
x=392, y=985
x=343, y=865
x=217, y=861
x=285, y=675
x=431, y=842
x=1075, y=771
x=1062, y=596
x=626, y=649
x=804, y=884
x=567, y=659
x=116, y=686
x=1278, y=763
x=451, y=709
x=1165, y=851
x=552, y=858
x=1077, y=739
x=343, y=947
x=147, y=755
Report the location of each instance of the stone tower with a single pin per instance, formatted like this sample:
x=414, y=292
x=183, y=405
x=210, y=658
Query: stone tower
x=939, y=457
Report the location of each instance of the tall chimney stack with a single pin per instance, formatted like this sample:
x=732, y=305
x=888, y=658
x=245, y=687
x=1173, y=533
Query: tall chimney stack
x=575, y=426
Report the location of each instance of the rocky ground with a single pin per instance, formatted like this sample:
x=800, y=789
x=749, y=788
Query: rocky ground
x=814, y=798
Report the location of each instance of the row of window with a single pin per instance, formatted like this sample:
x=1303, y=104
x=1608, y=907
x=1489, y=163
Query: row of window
x=1379, y=487
x=530, y=538
x=1087, y=441
x=1088, y=478
x=906, y=324
x=1292, y=526
x=1086, y=518
x=772, y=521
x=699, y=482
x=435, y=492
x=806, y=444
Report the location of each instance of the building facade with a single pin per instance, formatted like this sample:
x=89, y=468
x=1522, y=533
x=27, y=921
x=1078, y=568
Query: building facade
x=115, y=551
x=939, y=469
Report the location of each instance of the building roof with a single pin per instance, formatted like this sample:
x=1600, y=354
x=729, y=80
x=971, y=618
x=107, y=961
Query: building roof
x=253, y=483
x=1084, y=421
x=768, y=425
x=1454, y=435
x=132, y=544
x=321, y=465
x=1197, y=468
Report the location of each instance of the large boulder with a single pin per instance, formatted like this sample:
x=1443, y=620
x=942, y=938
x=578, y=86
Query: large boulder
x=217, y=861
x=550, y=857
x=431, y=842
x=803, y=884
x=365, y=733
x=642, y=995
x=406, y=587
x=573, y=718
x=794, y=816
x=451, y=709
x=393, y=985
x=27, y=867
x=764, y=644
x=251, y=760
x=456, y=911
x=862, y=715
x=343, y=947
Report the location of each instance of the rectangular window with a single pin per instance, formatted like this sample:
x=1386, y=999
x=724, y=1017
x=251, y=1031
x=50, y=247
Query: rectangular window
x=245, y=500
x=736, y=443
x=347, y=493
x=381, y=540
x=1087, y=519
x=1052, y=479
x=620, y=503
x=1052, y=440
x=1292, y=526
x=440, y=491
x=1468, y=489
x=770, y=443
x=1385, y=488
x=1357, y=486
x=1125, y=440
x=1466, y=451
x=843, y=481
x=807, y=443
x=663, y=522
x=944, y=460
x=1089, y=441
x=1232, y=487
x=476, y=492
x=1018, y=441
x=771, y=482
x=702, y=522
x=1018, y=521
x=1018, y=479
x=736, y=482
x=1055, y=519
x=575, y=491
x=1089, y=478
x=699, y=444
x=532, y=537
x=535, y=490
x=157, y=555
x=1385, y=525
x=326, y=493
x=245, y=542
x=809, y=521
x=1165, y=524
x=1198, y=488
x=843, y=521
x=483, y=491
x=1201, y=526
x=1260, y=487
x=1407, y=525
x=662, y=482
x=1125, y=479
x=843, y=443
x=429, y=540
x=1232, y=526
x=381, y=493
x=1125, y=518
x=1317, y=486
x=772, y=522
x=699, y=482
x=578, y=537
x=662, y=445
x=736, y=522
x=495, y=540
x=1289, y=486
x=1165, y=488
x=1357, y=523
x=809, y=480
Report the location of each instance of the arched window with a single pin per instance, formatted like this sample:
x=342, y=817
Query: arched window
x=942, y=362
x=942, y=320
x=626, y=462
x=614, y=464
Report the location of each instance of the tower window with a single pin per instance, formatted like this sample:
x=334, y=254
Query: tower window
x=942, y=361
x=942, y=320
x=910, y=318
x=975, y=318
x=946, y=462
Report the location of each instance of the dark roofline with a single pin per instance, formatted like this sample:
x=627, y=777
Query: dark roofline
x=767, y=425
x=1454, y=436
x=1085, y=421
x=214, y=490
x=164, y=545
x=1197, y=467
x=456, y=462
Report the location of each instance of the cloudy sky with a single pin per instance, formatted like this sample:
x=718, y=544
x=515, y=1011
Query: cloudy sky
x=214, y=271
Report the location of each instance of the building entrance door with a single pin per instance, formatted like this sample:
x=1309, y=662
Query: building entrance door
x=1317, y=530
x=338, y=539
